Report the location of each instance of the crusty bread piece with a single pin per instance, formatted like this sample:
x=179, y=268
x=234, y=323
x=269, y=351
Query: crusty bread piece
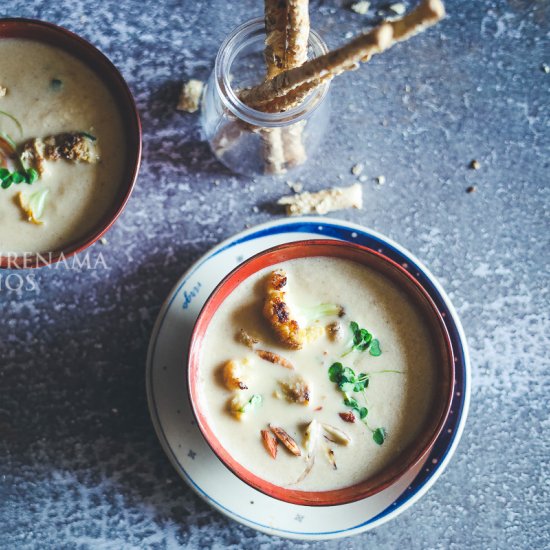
x=323, y=202
x=190, y=96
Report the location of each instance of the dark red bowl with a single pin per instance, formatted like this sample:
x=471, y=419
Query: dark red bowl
x=73, y=44
x=409, y=457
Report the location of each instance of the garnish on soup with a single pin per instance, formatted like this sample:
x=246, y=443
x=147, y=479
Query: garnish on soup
x=333, y=415
x=277, y=312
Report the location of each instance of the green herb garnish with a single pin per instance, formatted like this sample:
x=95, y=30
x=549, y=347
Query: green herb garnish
x=379, y=436
x=374, y=348
x=252, y=403
x=350, y=382
x=363, y=340
x=24, y=174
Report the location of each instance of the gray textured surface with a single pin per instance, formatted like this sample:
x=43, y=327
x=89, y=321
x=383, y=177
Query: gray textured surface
x=80, y=465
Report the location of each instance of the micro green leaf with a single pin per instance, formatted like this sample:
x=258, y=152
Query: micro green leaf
x=363, y=411
x=18, y=177
x=374, y=349
x=351, y=402
x=346, y=387
x=334, y=372
x=31, y=175
x=379, y=436
x=7, y=181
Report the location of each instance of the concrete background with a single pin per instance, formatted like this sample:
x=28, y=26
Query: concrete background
x=80, y=465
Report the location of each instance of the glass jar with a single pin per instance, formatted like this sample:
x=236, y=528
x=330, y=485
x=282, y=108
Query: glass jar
x=252, y=142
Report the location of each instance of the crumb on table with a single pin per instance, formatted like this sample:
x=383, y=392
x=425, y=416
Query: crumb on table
x=190, y=96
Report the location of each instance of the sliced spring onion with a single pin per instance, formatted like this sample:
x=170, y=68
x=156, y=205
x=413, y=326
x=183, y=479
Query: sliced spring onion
x=11, y=117
x=33, y=204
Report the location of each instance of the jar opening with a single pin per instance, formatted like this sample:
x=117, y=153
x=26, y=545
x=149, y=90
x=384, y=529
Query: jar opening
x=249, y=36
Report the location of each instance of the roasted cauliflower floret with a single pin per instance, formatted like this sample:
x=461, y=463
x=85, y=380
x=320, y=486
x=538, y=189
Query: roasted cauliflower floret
x=286, y=327
x=233, y=373
x=277, y=312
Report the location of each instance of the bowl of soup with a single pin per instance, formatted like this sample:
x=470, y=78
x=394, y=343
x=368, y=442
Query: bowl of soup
x=70, y=143
x=320, y=372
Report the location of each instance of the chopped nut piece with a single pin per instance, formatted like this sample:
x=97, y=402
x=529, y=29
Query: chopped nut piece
x=286, y=440
x=337, y=435
x=270, y=443
x=296, y=390
x=3, y=91
x=311, y=437
x=246, y=339
x=274, y=358
x=361, y=7
x=190, y=96
x=357, y=169
x=331, y=458
x=323, y=202
x=474, y=165
x=347, y=416
x=335, y=331
x=233, y=375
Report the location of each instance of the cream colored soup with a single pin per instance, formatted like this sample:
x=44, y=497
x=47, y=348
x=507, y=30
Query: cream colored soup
x=398, y=402
x=79, y=193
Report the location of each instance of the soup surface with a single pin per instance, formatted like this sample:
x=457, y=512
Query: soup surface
x=394, y=403
x=51, y=93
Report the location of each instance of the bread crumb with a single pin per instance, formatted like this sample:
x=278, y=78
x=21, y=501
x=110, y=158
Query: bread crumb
x=544, y=68
x=356, y=169
x=255, y=209
x=474, y=165
x=190, y=96
x=103, y=241
x=216, y=182
x=399, y=8
x=3, y=91
x=361, y=7
x=381, y=180
x=323, y=202
x=471, y=189
x=298, y=187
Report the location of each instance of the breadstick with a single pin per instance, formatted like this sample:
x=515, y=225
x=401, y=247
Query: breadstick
x=348, y=56
x=331, y=63
x=297, y=33
x=275, y=41
x=296, y=55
